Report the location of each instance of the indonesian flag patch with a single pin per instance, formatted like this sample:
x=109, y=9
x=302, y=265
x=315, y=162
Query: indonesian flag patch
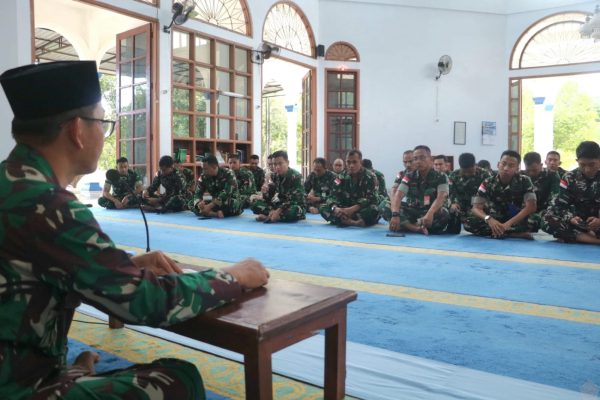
x=406, y=179
x=482, y=188
x=337, y=180
x=563, y=184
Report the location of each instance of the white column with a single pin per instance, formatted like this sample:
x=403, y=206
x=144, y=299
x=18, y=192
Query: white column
x=543, y=126
x=292, y=122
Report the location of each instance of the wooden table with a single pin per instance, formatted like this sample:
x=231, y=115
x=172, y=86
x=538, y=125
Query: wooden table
x=272, y=318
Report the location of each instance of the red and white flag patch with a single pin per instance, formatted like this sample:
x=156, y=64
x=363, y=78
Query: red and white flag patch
x=406, y=179
x=563, y=184
x=482, y=188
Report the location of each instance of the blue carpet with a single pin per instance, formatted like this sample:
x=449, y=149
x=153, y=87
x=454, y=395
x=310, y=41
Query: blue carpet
x=544, y=350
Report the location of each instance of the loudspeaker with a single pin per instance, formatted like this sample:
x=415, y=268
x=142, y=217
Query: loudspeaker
x=320, y=50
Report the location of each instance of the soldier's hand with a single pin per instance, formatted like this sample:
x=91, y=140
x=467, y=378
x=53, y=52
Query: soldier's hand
x=496, y=227
x=157, y=262
x=593, y=223
x=575, y=220
x=427, y=221
x=249, y=273
x=394, y=223
x=118, y=204
x=125, y=200
x=455, y=208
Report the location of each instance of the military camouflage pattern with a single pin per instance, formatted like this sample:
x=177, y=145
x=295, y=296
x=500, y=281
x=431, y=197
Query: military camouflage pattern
x=420, y=193
x=546, y=187
x=285, y=192
x=223, y=188
x=381, y=189
x=121, y=188
x=503, y=202
x=246, y=187
x=259, y=177
x=463, y=188
x=320, y=185
x=349, y=191
x=174, y=198
x=579, y=196
x=53, y=255
x=189, y=183
x=385, y=204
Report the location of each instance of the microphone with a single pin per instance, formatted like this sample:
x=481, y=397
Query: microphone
x=113, y=176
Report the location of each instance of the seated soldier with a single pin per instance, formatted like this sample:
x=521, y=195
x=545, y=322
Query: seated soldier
x=318, y=185
x=546, y=185
x=553, y=162
x=121, y=196
x=258, y=172
x=574, y=216
x=504, y=202
x=245, y=181
x=353, y=200
x=381, y=189
x=385, y=206
x=484, y=164
x=426, y=194
x=174, y=184
x=284, y=199
x=338, y=166
x=222, y=186
x=188, y=177
x=464, y=183
x=439, y=163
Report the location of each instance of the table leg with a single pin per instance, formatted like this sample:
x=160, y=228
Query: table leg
x=258, y=374
x=114, y=323
x=335, y=358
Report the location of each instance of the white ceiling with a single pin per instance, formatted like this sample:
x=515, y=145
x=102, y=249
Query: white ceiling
x=483, y=6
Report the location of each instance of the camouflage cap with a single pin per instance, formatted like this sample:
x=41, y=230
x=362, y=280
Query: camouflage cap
x=43, y=90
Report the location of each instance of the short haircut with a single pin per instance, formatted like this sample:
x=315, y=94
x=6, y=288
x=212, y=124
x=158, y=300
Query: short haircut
x=368, y=164
x=553, y=153
x=426, y=149
x=588, y=149
x=270, y=157
x=211, y=160
x=354, y=152
x=321, y=161
x=254, y=157
x=531, y=158
x=440, y=157
x=233, y=157
x=466, y=160
x=485, y=164
x=407, y=152
x=512, y=153
x=280, y=153
x=122, y=160
x=165, y=161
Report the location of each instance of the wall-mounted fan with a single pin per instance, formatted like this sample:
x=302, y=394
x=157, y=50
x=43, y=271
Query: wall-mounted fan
x=444, y=66
x=181, y=12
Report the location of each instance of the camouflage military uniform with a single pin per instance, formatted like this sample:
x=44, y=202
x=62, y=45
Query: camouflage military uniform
x=463, y=188
x=121, y=188
x=224, y=191
x=348, y=192
x=189, y=184
x=174, y=198
x=579, y=196
x=285, y=192
x=381, y=189
x=53, y=255
x=420, y=193
x=320, y=185
x=385, y=205
x=546, y=187
x=259, y=177
x=503, y=202
x=246, y=187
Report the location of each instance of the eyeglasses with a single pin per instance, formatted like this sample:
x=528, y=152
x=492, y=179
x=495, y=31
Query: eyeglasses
x=108, y=126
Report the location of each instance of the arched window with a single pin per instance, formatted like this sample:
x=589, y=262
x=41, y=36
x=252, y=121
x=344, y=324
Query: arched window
x=287, y=26
x=229, y=14
x=342, y=51
x=554, y=40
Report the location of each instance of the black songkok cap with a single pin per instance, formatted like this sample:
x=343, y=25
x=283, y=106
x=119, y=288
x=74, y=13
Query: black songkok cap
x=44, y=90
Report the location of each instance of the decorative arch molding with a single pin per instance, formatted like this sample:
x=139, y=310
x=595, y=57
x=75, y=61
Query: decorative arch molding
x=233, y=15
x=554, y=40
x=342, y=51
x=76, y=42
x=286, y=26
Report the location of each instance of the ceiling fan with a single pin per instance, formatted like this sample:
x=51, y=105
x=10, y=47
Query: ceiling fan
x=181, y=12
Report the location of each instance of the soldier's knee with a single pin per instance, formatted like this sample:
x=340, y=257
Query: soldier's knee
x=185, y=375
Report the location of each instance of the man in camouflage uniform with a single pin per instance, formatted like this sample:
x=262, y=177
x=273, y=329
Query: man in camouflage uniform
x=464, y=183
x=245, y=181
x=222, y=186
x=439, y=163
x=354, y=199
x=318, y=184
x=381, y=189
x=54, y=255
x=188, y=179
x=174, y=198
x=504, y=203
x=284, y=199
x=258, y=172
x=426, y=194
x=385, y=206
x=121, y=196
x=574, y=215
x=553, y=163
x=546, y=185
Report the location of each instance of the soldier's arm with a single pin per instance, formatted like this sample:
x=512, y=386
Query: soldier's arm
x=227, y=191
x=530, y=200
x=199, y=193
x=153, y=186
x=371, y=194
x=106, y=192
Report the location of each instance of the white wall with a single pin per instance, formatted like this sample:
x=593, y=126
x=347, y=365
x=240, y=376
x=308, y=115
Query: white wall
x=399, y=48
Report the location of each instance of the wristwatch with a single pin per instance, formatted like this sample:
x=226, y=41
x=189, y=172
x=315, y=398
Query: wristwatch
x=487, y=218
x=395, y=214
